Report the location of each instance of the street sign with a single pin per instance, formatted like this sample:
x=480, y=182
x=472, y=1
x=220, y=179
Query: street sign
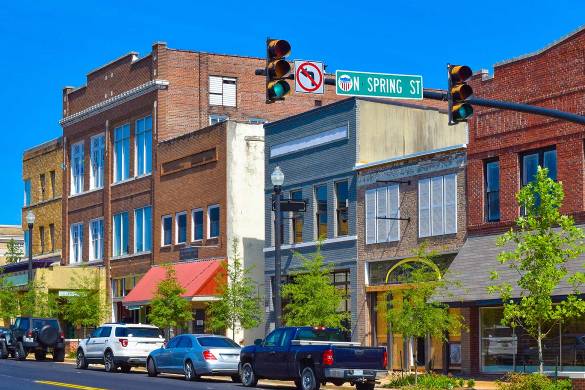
x=299, y=206
x=379, y=85
x=309, y=77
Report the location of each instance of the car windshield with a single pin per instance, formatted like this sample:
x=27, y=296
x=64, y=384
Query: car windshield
x=320, y=334
x=217, y=342
x=138, y=332
x=39, y=323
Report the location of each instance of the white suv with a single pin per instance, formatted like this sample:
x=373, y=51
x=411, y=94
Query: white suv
x=119, y=345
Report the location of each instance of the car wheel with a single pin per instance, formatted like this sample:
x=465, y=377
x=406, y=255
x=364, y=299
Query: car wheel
x=59, y=355
x=151, y=368
x=236, y=379
x=19, y=352
x=190, y=374
x=80, y=360
x=309, y=380
x=3, y=350
x=126, y=368
x=248, y=376
x=109, y=364
x=365, y=386
x=40, y=355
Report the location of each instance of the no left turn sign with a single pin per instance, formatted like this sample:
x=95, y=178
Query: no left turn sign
x=308, y=77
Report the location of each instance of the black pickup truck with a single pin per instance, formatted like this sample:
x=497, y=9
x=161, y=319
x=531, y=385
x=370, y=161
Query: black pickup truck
x=311, y=356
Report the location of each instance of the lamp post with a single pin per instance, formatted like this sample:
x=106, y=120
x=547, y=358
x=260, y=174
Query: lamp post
x=277, y=178
x=30, y=220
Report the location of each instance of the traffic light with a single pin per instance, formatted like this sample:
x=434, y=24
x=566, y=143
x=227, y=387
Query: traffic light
x=277, y=68
x=459, y=91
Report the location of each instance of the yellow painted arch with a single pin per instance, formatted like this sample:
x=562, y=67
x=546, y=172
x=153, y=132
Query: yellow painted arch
x=414, y=260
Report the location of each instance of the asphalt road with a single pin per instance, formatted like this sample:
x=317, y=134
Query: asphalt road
x=47, y=375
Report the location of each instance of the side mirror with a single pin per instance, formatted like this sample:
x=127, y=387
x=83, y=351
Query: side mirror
x=258, y=342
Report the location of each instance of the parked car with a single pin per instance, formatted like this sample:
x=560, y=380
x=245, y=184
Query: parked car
x=33, y=335
x=195, y=355
x=311, y=356
x=119, y=345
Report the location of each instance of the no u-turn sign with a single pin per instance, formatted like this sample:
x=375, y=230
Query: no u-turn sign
x=309, y=77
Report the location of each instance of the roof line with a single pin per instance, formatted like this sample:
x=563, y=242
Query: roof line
x=130, y=53
x=409, y=156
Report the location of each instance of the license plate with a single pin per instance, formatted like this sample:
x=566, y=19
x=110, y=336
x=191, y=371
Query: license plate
x=358, y=372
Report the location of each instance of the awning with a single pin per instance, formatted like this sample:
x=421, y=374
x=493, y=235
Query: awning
x=198, y=278
x=468, y=276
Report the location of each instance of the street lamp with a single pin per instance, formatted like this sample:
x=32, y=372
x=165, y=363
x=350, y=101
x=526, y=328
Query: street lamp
x=277, y=178
x=30, y=220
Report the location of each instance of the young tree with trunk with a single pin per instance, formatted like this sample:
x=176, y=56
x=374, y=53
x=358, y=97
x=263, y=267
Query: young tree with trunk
x=8, y=299
x=86, y=307
x=313, y=300
x=13, y=251
x=545, y=243
x=239, y=303
x=36, y=301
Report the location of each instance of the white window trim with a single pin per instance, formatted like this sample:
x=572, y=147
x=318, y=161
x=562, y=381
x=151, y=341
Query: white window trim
x=444, y=231
x=114, y=234
x=136, y=173
x=144, y=229
x=76, y=226
x=177, y=215
x=91, y=248
x=162, y=230
x=125, y=157
x=193, y=225
x=72, y=167
x=222, y=94
x=209, y=208
x=92, y=185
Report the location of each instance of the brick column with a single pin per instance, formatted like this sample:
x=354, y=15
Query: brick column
x=570, y=168
x=509, y=186
x=470, y=359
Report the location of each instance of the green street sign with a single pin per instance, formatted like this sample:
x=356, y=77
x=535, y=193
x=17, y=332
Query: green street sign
x=378, y=85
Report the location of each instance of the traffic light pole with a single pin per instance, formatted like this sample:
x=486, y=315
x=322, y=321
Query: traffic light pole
x=277, y=257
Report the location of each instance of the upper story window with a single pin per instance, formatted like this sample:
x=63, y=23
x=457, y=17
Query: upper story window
x=76, y=243
x=42, y=238
x=144, y=146
x=26, y=242
x=77, y=168
x=197, y=224
x=530, y=161
x=120, y=233
x=214, y=224
x=96, y=151
x=143, y=229
x=96, y=239
x=297, y=219
x=341, y=212
x=52, y=175
x=52, y=236
x=181, y=227
x=167, y=230
x=217, y=118
x=222, y=91
x=121, y=153
x=437, y=206
x=492, y=191
x=321, y=211
x=382, y=203
x=27, y=199
x=43, y=186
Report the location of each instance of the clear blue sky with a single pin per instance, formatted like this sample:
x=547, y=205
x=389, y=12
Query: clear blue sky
x=47, y=45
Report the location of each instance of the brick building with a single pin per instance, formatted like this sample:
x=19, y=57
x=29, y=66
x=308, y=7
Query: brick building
x=112, y=129
x=42, y=173
x=505, y=149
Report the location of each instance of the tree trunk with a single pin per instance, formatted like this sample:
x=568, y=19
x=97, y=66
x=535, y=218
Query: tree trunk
x=234, y=331
x=415, y=364
x=540, y=359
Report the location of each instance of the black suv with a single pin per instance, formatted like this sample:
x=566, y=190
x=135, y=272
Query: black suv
x=30, y=334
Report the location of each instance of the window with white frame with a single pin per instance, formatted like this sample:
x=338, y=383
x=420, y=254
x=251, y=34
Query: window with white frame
x=96, y=151
x=143, y=229
x=143, y=148
x=197, y=224
x=222, y=91
x=27, y=192
x=77, y=168
x=120, y=234
x=181, y=228
x=213, y=221
x=76, y=243
x=437, y=205
x=121, y=153
x=167, y=230
x=382, y=211
x=96, y=239
x=217, y=118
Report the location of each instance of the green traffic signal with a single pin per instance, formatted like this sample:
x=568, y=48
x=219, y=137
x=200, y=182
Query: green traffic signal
x=277, y=69
x=278, y=89
x=462, y=111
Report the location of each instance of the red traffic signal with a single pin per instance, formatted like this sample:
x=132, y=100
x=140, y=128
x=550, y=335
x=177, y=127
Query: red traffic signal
x=459, y=91
x=277, y=68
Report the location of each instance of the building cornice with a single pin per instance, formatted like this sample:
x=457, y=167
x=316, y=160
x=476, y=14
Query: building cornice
x=114, y=101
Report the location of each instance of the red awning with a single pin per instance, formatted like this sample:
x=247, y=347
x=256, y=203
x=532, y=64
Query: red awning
x=198, y=278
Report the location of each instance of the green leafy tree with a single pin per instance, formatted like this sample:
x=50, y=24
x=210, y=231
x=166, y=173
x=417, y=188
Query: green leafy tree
x=37, y=301
x=168, y=308
x=87, y=306
x=419, y=314
x=239, y=303
x=312, y=299
x=545, y=243
x=13, y=251
x=8, y=299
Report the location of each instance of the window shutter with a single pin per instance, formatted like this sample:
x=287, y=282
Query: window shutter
x=229, y=92
x=394, y=212
x=215, y=90
x=450, y=195
x=437, y=227
x=371, y=216
x=424, y=208
x=382, y=211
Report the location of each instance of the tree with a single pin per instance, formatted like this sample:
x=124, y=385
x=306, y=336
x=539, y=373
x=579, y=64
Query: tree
x=8, y=299
x=312, y=299
x=87, y=306
x=168, y=308
x=239, y=303
x=419, y=314
x=545, y=243
x=37, y=301
x=13, y=251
